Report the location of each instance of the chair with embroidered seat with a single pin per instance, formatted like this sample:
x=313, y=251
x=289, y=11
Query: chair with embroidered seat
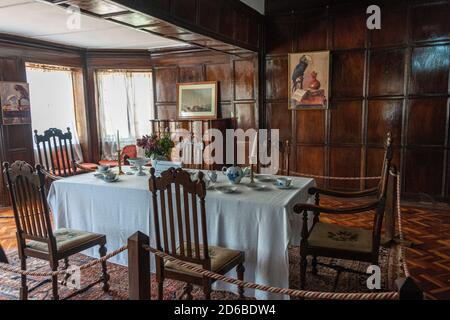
x=35, y=236
x=56, y=154
x=128, y=152
x=342, y=242
x=181, y=231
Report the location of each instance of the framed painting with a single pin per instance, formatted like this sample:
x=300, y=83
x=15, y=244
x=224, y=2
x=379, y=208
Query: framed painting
x=15, y=103
x=309, y=80
x=197, y=100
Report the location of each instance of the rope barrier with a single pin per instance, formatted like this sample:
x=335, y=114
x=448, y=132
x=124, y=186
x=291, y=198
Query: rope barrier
x=304, y=294
x=8, y=268
x=291, y=292
x=336, y=178
x=400, y=226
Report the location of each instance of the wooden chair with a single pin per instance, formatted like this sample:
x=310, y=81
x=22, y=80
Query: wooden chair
x=336, y=241
x=181, y=231
x=128, y=152
x=35, y=237
x=56, y=154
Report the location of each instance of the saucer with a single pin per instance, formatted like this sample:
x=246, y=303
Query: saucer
x=258, y=187
x=111, y=181
x=264, y=178
x=284, y=187
x=227, y=189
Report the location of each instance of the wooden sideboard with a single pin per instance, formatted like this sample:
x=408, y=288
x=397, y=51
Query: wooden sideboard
x=191, y=136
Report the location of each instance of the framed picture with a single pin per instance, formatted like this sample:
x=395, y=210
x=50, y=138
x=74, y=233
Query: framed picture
x=15, y=103
x=309, y=80
x=197, y=100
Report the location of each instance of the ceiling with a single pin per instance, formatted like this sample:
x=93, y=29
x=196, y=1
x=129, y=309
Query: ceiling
x=258, y=5
x=43, y=21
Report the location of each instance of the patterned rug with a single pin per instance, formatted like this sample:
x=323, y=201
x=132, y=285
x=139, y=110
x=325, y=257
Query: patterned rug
x=328, y=279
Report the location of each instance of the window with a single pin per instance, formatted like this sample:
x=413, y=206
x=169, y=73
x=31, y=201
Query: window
x=125, y=100
x=52, y=100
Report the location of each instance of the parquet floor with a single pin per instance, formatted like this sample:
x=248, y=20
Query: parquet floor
x=429, y=259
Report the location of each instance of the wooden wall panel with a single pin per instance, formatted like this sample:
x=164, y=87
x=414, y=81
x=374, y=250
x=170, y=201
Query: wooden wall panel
x=395, y=79
x=221, y=73
x=278, y=114
x=244, y=77
x=166, y=84
x=237, y=80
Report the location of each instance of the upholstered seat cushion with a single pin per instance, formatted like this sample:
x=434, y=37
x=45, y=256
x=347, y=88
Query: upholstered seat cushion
x=334, y=236
x=219, y=258
x=66, y=239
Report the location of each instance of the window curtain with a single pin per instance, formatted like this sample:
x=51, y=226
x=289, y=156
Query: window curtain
x=125, y=100
x=52, y=102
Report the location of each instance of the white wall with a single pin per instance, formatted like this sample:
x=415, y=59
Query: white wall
x=258, y=5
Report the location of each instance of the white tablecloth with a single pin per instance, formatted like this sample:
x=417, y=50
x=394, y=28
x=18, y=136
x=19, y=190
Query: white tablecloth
x=260, y=223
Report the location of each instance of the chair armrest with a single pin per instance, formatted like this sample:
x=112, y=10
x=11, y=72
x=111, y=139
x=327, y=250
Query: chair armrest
x=299, y=208
x=50, y=176
x=80, y=166
x=342, y=194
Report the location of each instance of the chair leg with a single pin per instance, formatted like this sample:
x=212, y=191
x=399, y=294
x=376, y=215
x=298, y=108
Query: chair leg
x=105, y=275
x=207, y=288
x=240, y=269
x=188, y=290
x=303, y=265
x=54, y=265
x=23, y=278
x=314, y=265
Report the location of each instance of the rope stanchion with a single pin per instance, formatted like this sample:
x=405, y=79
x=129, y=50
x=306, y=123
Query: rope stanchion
x=8, y=268
x=290, y=292
x=400, y=225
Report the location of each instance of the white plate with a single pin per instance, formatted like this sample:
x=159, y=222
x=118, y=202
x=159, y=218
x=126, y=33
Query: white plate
x=227, y=189
x=111, y=181
x=258, y=187
x=264, y=178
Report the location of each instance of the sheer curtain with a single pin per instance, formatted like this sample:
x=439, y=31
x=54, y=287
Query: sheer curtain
x=125, y=101
x=52, y=102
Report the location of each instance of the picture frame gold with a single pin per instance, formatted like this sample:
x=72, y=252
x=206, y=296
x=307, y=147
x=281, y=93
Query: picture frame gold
x=197, y=100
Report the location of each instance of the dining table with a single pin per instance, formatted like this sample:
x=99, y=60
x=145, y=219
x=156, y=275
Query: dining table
x=258, y=221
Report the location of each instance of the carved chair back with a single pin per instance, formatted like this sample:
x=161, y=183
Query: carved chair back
x=28, y=197
x=179, y=215
x=55, y=152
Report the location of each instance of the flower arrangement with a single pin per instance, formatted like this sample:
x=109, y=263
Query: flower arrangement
x=155, y=147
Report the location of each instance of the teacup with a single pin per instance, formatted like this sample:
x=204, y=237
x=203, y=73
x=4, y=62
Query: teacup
x=212, y=176
x=110, y=176
x=284, y=182
x=102, y=168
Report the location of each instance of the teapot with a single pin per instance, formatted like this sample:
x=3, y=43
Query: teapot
x=234, y=174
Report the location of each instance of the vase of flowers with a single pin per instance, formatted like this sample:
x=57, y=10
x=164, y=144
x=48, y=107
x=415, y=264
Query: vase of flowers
x=156, y=147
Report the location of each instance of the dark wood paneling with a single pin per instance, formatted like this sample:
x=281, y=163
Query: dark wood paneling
x=346, y=119
x=245, y=115
x=205, y=7
x=391, y=80
x=424, y=171
x=387, y=69
x=279, y=115
x=349, y=27
x=277, y=78
x=348, y=74
x=310, y=126
x=311, y=160
x=394, y=23
x=244, y=77
x=345, y=162
x=430, y=69
x=427, y=121
x=166, y=84
x=221, y=73
x=191, y=74
x=430, y=22
x=185, y=9
x=384, y=116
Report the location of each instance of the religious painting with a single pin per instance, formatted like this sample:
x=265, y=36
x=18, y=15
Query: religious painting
x=197, y=100
x=309, y=76
x=15, y=103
